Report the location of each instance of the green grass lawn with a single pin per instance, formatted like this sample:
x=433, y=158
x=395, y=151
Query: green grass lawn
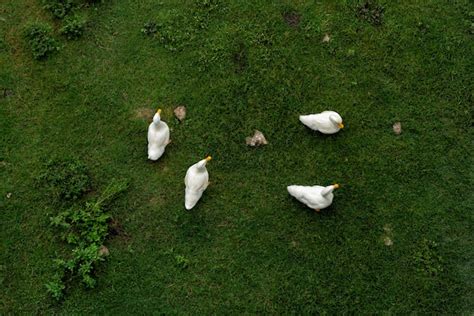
x=239, y=66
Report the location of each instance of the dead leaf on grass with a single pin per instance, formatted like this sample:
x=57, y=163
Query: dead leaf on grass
x=397, y=128
x=387, y=241
x=256, y=140
x=103, y=251
x=180, y=112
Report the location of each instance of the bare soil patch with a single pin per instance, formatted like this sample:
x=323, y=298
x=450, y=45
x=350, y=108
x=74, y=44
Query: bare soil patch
x=292, y=18
x=144, y=113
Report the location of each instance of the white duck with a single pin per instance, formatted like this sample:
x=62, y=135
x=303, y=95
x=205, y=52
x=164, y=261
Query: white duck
x=158, y=137
x=316, y=197
x=327, y=122
x=196, y=181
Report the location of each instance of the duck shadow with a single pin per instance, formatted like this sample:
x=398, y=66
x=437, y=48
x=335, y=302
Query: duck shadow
x=312, y=133
x=328, y=212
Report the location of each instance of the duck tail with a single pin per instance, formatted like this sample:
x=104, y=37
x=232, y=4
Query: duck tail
x=293, y=190
x=304, y=119
x=191, y=197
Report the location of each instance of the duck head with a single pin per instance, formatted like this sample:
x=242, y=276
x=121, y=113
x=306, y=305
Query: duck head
x=202, y=164
x=329, y=189
x=157, y=117
x=336, y=120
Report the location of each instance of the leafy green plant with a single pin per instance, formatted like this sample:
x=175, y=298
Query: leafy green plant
x=426, y=258
x=181, y=262
x=85, y=229
x=56, y=288
x=66, y=178
x=39, y=39
x=59, y=8
x=73, y=27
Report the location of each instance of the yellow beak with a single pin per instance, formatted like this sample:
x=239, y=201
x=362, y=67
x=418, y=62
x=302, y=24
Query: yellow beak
x=158, y=111
x=340, y=125
x=208, y=158
x=336, y=186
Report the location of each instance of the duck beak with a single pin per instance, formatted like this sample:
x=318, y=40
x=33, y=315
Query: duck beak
x=340, y=125
x=208, y=158
x=336, y=186
x=158, y=111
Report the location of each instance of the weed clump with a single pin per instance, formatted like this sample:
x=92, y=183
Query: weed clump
x=149, y=28
x=59, y=8
x=73, y=28
x=427, y=260
x=371, y=12
x=85, y=229
x=39, y=39
x=172, y=35
x=66, y=178
x=181, y=262
x=203, y=10
x=175, y=31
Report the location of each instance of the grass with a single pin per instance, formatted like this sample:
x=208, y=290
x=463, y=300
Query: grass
x=248, y=247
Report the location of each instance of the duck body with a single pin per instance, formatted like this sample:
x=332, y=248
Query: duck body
x=196, y=182
x=158, y=137
x=316, y=197
x=327, y=122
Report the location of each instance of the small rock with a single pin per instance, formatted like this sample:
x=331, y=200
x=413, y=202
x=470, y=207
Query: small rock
x=256, y=140
x=397, y=128
x=387, y=241
x=180, y=112
x=326, y=38
x=9, y=195
x=103, y=251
